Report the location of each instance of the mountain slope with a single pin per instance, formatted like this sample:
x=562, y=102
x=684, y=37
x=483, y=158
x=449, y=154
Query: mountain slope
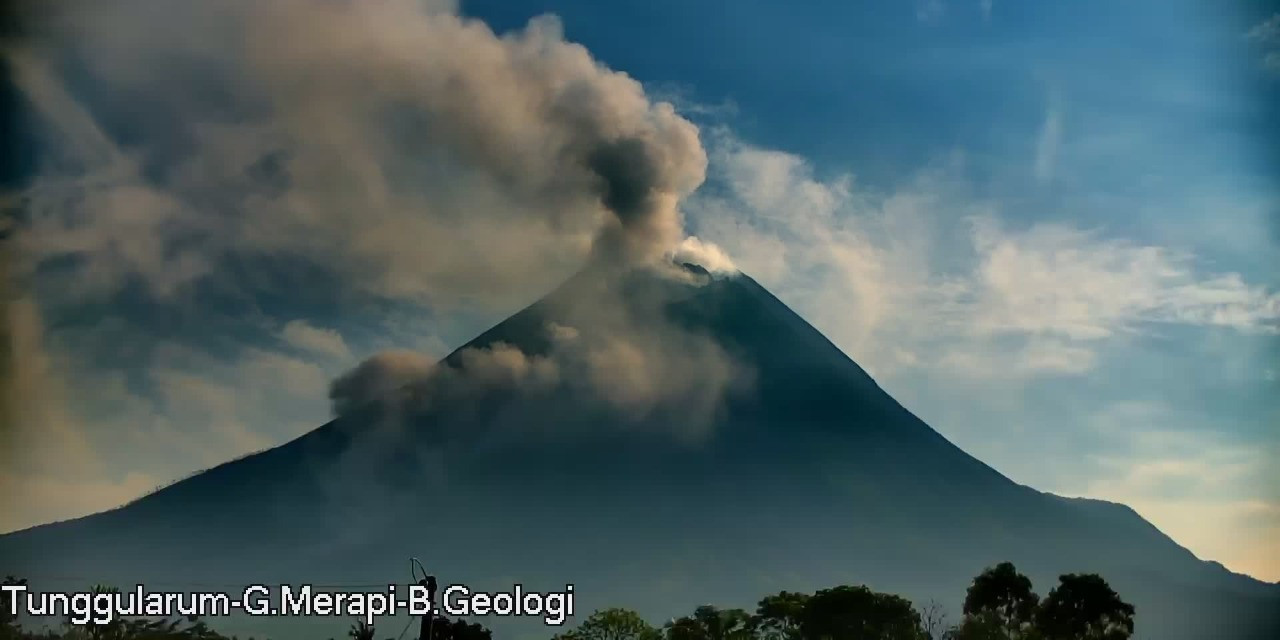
x=805, y=475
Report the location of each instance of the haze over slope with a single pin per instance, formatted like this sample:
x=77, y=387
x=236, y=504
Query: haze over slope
x=656, y=437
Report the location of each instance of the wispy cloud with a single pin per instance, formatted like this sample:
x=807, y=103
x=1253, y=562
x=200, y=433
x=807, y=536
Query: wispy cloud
x=326, y=342
x=1054, y=279
x=1266, y=32
x=875, y=269
x=930, y=11
x=929, y=282
x=1047, y=144
x=1266, y=37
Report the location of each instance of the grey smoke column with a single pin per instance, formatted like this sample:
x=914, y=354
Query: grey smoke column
x=400, y=148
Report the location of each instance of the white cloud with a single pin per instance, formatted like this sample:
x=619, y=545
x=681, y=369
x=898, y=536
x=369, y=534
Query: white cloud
x=1054, y=279
x=1271, y=61
x=930, y=11
x=1047, y=144
x=326, y=342
x=1267, y=31
x=986, y=6
x=930, y=270
x=1266, y=37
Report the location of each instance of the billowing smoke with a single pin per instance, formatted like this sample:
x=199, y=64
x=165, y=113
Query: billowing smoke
x=352, y=153
x=399, y=148
x=650, y=370
x=704, y=254
x=383, y=376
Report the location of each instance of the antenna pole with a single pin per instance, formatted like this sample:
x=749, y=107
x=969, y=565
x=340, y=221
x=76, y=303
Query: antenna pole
x=428, y=619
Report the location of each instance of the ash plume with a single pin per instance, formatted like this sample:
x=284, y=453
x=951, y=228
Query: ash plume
x=390, y=150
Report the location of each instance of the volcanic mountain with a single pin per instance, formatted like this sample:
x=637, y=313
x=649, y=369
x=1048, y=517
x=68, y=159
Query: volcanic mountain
x=758, y=458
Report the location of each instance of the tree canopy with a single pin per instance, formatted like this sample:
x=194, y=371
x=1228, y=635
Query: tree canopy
x=779, y=616
x=1000, y=604
x=612, y=624
x=858, y=613
x=1084, y=607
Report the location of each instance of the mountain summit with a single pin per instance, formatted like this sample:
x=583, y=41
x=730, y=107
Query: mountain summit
x=656, y=438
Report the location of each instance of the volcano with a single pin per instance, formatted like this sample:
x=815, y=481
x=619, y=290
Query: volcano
x=803, y=474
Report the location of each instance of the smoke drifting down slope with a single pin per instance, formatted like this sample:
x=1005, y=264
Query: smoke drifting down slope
x=612, y=348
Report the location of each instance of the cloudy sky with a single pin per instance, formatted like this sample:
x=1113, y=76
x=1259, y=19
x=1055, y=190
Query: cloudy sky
x=1049, y=229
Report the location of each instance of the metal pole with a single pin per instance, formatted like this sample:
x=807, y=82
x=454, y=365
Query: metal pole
x=431, y=597
x=428, y=619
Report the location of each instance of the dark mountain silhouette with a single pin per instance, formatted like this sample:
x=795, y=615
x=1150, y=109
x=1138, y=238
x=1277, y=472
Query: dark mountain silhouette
x=808, y=476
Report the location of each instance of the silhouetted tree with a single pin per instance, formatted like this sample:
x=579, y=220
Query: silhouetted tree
x=858, y=613
x=444, y=629
x=114, y=629
x=710, y=623
x=933, y=621
x=684, y=628
x=778, y=616
x=9, y=627
x=988, y=626
x=1084, y=607
x=361, y=630
x=612, y=624
x=999, y=605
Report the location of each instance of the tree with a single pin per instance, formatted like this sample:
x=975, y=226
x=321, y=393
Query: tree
x=444, y=629
x=710, y=623
x=9, y=627
x=986, y=625
x=612, y=624
x=933, y=621
x=778, y=616
x=858, y=613
x=999, y=605
x=1084, y=607
x=115, y=629
x=361, y=630
x=685, y=628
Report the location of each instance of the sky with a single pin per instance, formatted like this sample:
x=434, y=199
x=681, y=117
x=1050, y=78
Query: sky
x=1048, y=229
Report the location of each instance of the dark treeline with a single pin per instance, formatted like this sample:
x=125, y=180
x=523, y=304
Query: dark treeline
x=1000, y=604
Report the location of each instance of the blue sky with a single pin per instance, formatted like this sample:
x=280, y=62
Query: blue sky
x=1144, y=126
x=1049, y=229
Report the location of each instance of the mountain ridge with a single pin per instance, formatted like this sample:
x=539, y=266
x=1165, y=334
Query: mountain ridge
x=813, y=448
